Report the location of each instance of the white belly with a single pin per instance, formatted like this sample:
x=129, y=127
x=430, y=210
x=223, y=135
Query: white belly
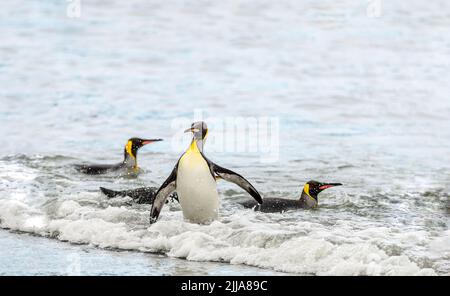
x=197, y=189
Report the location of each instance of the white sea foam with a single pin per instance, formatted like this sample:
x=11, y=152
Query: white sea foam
x=239, y=241
x=306, y=242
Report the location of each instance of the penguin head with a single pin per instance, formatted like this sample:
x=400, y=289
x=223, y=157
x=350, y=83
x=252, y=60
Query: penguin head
x=133, y=145
x=199, y=130
x=313, y=188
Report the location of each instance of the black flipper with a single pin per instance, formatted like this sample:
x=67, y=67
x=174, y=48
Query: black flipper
x=235, y=178
x=163, y=193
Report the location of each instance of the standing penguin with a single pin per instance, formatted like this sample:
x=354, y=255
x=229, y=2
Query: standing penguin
x=194, y=179
x=128, y=165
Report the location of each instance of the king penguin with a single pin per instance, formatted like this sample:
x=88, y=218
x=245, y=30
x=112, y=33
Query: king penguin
x=194, y=179
x=128, y=165
x=308, y=199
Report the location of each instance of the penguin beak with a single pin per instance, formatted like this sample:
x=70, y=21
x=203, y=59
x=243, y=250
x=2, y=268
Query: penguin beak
x=145, y=142
x=191, y=130
x=328, y=185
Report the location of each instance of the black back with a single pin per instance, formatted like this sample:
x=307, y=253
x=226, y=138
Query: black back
x=273, y=205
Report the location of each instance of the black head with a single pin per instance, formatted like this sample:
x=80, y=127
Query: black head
x=313, y=188
x=133, y=145
x=199, y=130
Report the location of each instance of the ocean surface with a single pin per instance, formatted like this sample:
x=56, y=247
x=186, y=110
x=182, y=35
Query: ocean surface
x=360, y=94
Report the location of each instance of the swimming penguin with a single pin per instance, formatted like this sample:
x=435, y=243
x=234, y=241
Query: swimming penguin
x=129, y=163
x=194, y=179
x=308, y=199
x=144, y=195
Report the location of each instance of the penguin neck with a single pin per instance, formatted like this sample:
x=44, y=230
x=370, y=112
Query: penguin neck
x=307, y=201
x=129, y=160
x=196, y=146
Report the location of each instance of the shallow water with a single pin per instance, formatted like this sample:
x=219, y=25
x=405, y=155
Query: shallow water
x=360, y=100
x=32, y=255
